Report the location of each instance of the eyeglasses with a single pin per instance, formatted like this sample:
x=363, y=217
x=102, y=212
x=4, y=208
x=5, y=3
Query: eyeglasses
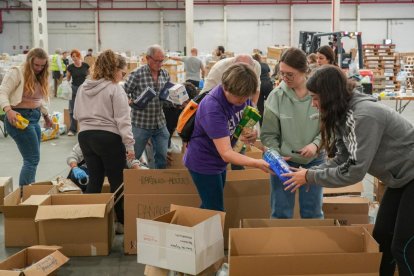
x=157, y=61
x=288, y=76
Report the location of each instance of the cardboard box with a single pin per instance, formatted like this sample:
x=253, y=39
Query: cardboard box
x=6, y=187
x=187, y=240
x=275, y=52
x=106, y=187
x=210, y=271
x=369, y=227
x=36, y=260
x=303, y=251
x=63, y=185
x=379, y=189
x=347, y=210
x=356, y=189
x=149, y=193
x=262, y=223
x=176, y=161
x=177, y=94
x=20, y=228
x=81, y=224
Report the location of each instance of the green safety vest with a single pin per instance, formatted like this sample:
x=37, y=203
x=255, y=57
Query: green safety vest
x=54, y=66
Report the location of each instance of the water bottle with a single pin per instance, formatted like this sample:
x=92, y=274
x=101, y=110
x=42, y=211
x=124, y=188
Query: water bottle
x=201, y=84
x=277, y=164
x=224, y=270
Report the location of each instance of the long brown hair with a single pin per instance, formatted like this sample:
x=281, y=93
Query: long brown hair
x=31, y=78
x=107, y=64
x=335, y=92
x=295, y=58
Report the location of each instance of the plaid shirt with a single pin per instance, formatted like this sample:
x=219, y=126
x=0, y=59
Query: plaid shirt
x=152, y=116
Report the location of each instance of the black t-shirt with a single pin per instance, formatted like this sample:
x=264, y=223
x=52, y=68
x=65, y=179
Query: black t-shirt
x=78, y=73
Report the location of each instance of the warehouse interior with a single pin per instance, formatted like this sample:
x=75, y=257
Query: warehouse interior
x=378, y=55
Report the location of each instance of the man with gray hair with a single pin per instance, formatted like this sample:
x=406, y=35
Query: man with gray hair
x=214, y=76
x=149, y=122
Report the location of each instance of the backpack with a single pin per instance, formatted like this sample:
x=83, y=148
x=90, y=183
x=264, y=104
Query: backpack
x=186, y=121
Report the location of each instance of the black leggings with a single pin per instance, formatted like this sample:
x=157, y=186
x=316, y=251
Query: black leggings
x=394, y=230
x=104, y=154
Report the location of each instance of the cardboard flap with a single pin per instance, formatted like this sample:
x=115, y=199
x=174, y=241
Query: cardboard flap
x=47, y=265
x=11, y=273
x=35, y=200
x=28, y=211
x=190, y=216
x=70, y=211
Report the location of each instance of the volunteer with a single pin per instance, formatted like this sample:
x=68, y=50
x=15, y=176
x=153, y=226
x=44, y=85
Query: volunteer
x=370, y=138
x=210, y=147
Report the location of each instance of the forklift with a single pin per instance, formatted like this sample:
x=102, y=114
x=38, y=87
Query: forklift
x=309, y=42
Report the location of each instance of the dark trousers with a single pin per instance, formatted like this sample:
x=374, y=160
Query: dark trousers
x=73, y=123
x=171, y=118
x=196, y=83
x=394, y=230
x=104, y=154
x=57, y=80
x=266, y=86
x=210, y=187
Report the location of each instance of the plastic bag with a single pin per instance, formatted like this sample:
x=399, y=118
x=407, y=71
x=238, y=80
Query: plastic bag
x=64, y=90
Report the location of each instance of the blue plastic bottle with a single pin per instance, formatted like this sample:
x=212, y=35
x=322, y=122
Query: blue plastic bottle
x=201, y=84
x=277, y=164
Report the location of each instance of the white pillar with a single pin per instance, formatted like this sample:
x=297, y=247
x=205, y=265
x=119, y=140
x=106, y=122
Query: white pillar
x=189, y=25
x=97, y=46
x=336, y=8
x=358, y=22
x=291, y=27
x=162, y=29
x=225, y=26
x=39, y=24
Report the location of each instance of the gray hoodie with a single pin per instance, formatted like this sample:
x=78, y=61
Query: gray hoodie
x=374, y=139
x=103, y=105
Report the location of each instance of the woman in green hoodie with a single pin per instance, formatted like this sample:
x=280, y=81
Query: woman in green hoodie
x=291, y=127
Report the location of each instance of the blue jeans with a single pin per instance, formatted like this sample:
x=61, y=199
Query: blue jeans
x=210, y=187
x=283, y=202
x=28, y=143
x=159, y=138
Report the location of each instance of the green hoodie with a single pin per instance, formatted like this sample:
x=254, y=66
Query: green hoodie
x=289, y=123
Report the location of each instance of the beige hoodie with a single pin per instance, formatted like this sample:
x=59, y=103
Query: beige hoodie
x=11, y=89
x=103, y=105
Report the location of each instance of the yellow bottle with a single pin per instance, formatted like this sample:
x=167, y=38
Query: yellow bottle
x=21, y=122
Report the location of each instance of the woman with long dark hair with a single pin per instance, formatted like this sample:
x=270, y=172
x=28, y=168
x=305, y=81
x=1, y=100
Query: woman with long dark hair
x=370, y=138
x=325, y=55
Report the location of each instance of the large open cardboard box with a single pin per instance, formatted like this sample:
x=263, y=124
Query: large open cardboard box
x=303, y=251
x=20, y=228
x=149, y=193
x=347, y=210
x=82, y=224
x=356, y=190
x=6, y=187
x=38, y=260
x=187, y=239
x=262, y=223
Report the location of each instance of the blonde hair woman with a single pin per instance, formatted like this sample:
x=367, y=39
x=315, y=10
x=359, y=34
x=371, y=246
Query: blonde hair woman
x=24, y=91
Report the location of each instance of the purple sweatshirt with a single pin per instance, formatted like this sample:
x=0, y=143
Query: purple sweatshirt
x=215, y=118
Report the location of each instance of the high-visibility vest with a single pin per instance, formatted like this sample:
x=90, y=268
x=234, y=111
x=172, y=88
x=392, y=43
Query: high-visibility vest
x=54, y=66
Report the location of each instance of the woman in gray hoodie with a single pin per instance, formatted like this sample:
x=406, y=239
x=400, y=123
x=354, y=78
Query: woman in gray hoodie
x=370, y=138
x=105, y=133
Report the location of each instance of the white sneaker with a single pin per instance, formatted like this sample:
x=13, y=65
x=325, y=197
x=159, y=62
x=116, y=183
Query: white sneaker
x=70, y=133
x=119, y=228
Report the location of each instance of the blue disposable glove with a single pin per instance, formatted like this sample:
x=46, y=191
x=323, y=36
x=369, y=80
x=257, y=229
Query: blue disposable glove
x=79, y=173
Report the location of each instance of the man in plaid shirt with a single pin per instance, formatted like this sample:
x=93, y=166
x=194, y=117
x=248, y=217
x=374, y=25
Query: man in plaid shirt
x=150, y=122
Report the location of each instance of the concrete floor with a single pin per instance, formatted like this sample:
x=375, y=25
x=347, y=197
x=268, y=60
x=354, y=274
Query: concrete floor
x=52, y=164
